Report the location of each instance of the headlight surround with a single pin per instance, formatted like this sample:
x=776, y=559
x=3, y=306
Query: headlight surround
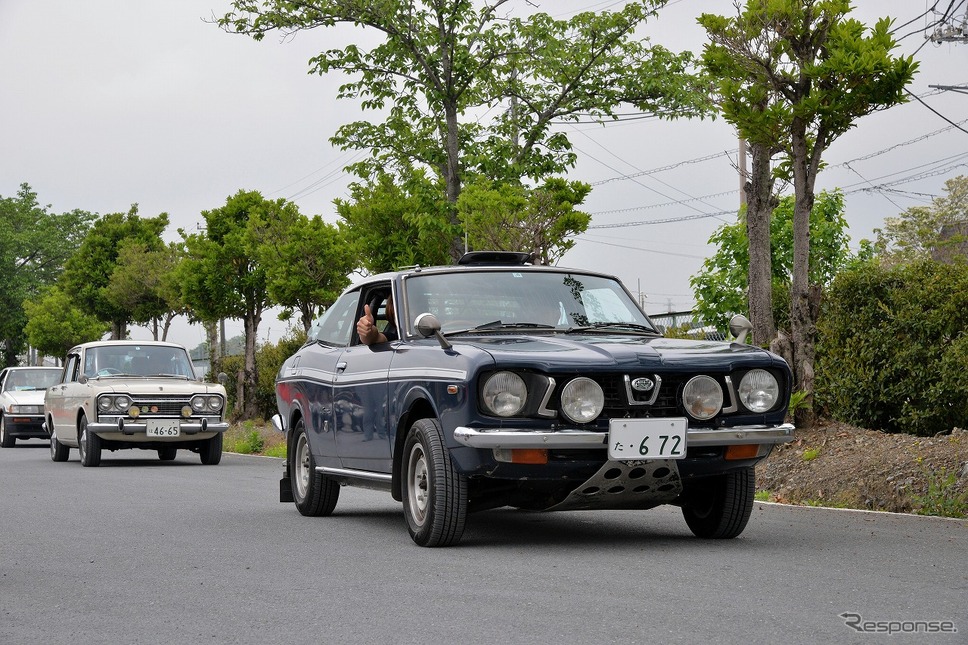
x=702, y=397
x=114, y=403
x=758, y=391
x=206, y=403
x=504, y=394
x=26, y=409
x=582, y=400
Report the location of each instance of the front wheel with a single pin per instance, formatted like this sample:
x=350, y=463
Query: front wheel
x=6, y=440
x=210, y=451
x=434, y=493
x=88, y=444
x=314, y=494
x=721, y=508
x=58, y=451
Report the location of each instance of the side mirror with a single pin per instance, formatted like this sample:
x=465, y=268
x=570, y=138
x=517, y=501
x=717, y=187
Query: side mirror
x=740, y=327
x=222, y=377
x=427, y=325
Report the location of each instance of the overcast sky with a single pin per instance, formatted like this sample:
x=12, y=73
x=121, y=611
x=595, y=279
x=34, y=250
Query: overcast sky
x=106, y=104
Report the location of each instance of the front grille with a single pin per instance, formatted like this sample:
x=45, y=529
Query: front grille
x=162, y=406
x=616, y=398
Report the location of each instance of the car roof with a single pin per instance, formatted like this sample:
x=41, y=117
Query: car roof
x=122, y=343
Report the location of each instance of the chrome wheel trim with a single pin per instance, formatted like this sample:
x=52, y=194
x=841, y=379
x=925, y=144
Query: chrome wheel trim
x=302, y=463
x=418, y=490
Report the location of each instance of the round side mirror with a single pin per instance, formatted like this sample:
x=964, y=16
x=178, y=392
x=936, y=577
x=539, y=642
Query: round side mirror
x=740, y=326
x=426, y=325
x=222, y=377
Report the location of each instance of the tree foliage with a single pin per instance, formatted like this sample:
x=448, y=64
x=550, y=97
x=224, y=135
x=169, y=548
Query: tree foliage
x=34, y=246
x=893, y=346
x=720, y=288
x=938, y=230
x=465, y=88
x=143, y=283
x=804, y=71
x=55, y=323
x=87, y=274
x=512, y=217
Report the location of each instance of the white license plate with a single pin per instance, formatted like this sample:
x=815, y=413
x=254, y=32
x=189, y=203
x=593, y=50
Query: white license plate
x=163, y=427
x=647, y=439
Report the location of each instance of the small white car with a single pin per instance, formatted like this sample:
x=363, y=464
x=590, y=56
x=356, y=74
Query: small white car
x=133, y=394
x=22, y=401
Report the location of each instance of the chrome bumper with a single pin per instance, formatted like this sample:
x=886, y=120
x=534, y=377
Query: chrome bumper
x=133, y=427
x=572, y=438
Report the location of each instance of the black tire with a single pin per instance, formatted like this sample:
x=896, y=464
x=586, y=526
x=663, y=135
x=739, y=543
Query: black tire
x=6, y=441
x=167, y=453
x=210, y=452
x=58, y=451
x=88, y=444
x=434, y=493
x=721, y=508
x=314, y=494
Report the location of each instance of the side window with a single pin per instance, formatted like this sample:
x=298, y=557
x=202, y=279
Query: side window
x=337, y=325
x=71, y=368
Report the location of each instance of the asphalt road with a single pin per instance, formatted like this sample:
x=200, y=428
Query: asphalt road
x=143, y=551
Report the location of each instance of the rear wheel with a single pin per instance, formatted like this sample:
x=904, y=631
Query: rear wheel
x=210, y=451
x=167, y=454
x=721, y=508
x=6, y=440
x=58, y=451
x=434, y=493
x=88, y=444
x=314, y=494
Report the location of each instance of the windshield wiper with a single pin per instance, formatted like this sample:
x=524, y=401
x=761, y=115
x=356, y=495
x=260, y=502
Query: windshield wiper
x=617, y=326
x=498, y=325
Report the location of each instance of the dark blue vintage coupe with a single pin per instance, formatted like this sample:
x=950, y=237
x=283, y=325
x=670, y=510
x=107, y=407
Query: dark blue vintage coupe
x=541, y=388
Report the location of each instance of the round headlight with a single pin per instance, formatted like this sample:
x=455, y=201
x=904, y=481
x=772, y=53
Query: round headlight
x=214, y=403
x=122, y=402
x=702, y=397
x=198, y=403
x=758, y=391
x=504, y=394
x=104, y=403
x=582, y=400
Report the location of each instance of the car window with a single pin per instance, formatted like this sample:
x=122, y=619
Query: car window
x=466, y=299
x=31, y=379
x=72, y=368
x=336, y=326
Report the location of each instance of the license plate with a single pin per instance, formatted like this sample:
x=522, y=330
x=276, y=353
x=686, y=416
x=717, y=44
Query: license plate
x=163, y=427
x=646, y=439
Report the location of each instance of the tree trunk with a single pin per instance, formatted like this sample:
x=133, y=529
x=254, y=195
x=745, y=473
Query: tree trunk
x=453, y=177
x=250, y=406
x=759, y=212
x=802, y=325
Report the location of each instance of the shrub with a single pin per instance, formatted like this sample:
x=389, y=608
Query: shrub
x=268, y=358
x=893, y=348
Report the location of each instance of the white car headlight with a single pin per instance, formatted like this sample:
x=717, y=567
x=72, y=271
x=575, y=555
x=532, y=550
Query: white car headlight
x=504, y=394
x=26, y=409
x=702, y=397
x=582, y=400
x=758, y=391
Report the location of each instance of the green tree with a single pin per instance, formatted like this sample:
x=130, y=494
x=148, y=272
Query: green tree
x=55, y=323
x=142, y=282
x=88, y=272
x=221, y=276
x=512, y=217
x=34, y=246
x=307, y=263
x=922, y=232
x=462, y=88
x=721, y=287
x=823, y=71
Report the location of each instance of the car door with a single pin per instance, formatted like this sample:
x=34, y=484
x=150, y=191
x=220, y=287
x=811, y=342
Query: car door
x=58, y=397
x=311, y=373
x=363, y=437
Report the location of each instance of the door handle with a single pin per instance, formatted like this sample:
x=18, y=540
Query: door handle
x=341, y=366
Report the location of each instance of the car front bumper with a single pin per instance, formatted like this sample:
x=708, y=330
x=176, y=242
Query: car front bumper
x=25, y=426
x=131, y=428
x=573, y=438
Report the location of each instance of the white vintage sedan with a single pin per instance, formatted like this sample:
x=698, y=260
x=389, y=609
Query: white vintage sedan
x=22, y=402
x=133, y=394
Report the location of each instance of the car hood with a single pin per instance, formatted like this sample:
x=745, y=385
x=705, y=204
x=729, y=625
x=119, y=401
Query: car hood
x=24, y=397
x=152, y=385
x=620, y=352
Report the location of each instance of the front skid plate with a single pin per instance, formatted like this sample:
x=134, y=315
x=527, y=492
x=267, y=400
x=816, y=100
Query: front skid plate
x=626, y=484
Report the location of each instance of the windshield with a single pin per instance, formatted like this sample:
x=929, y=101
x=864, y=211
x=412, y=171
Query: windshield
x=40, y=379
x=137, y=360
x=521, y=299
